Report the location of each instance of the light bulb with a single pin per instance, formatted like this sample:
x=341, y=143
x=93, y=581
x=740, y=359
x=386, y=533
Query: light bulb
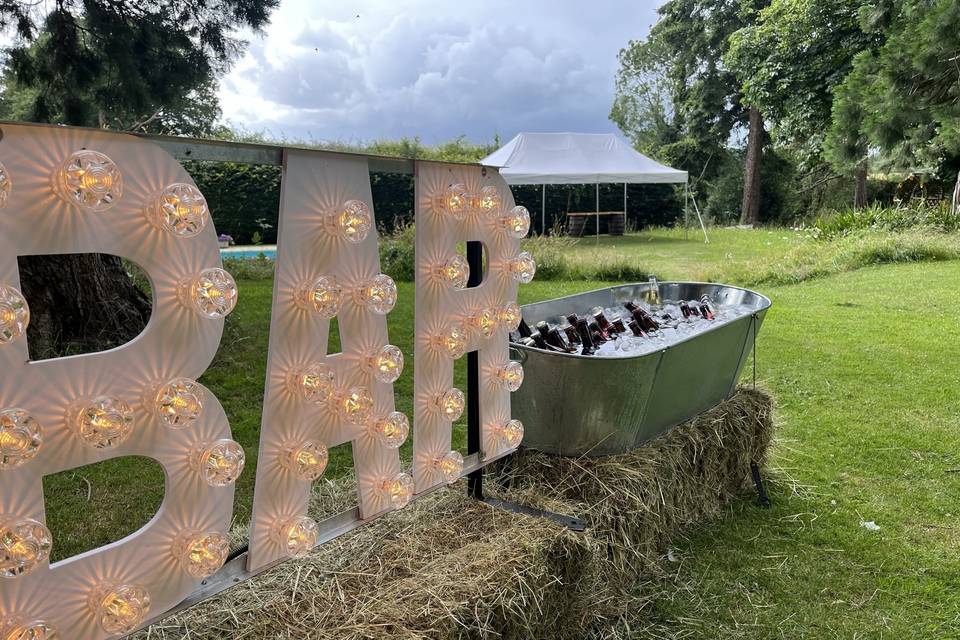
x=511, y=375
x=102, y=422
x=489, y=201
x=452, y=341
x=449, y=465
x=201, y=554
x=352, y=221
x=6, y=185
x=120, y=608
x=391, y=430
x=386, y=363
x=19, y=628
x=212, y=293
x=510, y=434
x=219, y=463
x=451, y=404
x=20, y=438
x=89, y=180
x=307, y=460
x=523, y=267
x=24, y=545
x=322, y=296
x=354, y=405
x=313, y=383
x=397, y=489
x=515, y=222
x=14, y=314
x=509, y=316
x=454, y=201
x=485, y=322
x=455, y=272
x=378, y=294
x=297, y=536
x=180, y=209
x=176, y=404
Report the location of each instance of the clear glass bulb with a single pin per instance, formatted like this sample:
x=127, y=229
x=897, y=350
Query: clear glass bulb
x=89, y=180
x=515, y=222
x=397, y=489
x=212, y=293
x=19, y=628
x=453, y=341
x=451, y=404
x=177, y=404
x=509, y=316
x=314, y=382
x=511, y=375
x=219, y=463
x=391, y=430
x=386, y=363
x=24, y=545
x=485, y=322
x=102, y=422
x=489, y=201
x=6, y=185
x=14, y=314
x=523, y=267
x=20, y=438
x=322, y=296
x=454, y=201
x=120, y=608
x=201, y=554
x=353, y=221
x=308, y=460
x=180, y=209
x=455, y=272
x=510, y=434
x=297, y=536
x=378, y=294
x=354, y=405
x=450, y=465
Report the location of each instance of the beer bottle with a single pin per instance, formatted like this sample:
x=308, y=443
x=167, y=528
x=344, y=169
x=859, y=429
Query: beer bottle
x=524, y=329
x=635, y=328
x=571, y=332
x=585, y=338
x=705, y=308
x=618, y=325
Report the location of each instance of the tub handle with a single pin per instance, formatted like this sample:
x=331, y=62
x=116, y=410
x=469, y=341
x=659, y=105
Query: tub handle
x=520, y=355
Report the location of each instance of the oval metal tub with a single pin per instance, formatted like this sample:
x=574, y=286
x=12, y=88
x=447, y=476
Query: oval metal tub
x=583, y=405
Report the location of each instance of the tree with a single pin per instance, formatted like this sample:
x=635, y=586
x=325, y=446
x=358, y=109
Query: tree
x=126, y=64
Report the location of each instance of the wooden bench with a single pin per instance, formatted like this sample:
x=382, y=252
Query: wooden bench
x=581, y=223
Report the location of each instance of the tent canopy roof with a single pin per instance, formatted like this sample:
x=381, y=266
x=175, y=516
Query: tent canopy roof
x=576, y=158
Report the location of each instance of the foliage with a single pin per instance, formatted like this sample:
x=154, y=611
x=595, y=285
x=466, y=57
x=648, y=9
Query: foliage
x=397, y=253
x=936, y=216
x=241, y=197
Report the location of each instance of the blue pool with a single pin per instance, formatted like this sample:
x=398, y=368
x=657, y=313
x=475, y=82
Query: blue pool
x=249, y=253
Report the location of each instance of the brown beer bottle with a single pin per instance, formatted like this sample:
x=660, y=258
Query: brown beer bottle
x=585, y=338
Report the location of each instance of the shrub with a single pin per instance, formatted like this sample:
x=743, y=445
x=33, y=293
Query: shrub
x=930, y=216
x=397, y=253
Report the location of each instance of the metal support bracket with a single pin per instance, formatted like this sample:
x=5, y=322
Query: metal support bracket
x=762, y=499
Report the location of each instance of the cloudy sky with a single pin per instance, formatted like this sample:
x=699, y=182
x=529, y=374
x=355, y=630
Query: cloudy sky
x=358, y=70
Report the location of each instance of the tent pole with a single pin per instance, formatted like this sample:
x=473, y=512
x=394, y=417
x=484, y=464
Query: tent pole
x=543, y=211
x=624, y=207
x=598, y=213
x=686, y=206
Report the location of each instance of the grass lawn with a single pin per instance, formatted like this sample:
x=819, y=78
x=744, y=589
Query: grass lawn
x=863, y=367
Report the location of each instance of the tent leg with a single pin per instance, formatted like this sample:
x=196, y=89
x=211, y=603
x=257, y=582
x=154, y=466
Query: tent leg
x=543, y=211
x=624, y=207
x=686, y=207
x=598, y=213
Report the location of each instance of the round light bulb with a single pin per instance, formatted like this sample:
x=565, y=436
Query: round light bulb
x=452, y=341
x=102, y=422
x=322, y=296
x=450, y=466
x=14, y=314
x=219, y=463
x=212, y=293
x=510, y=434
x=523, y=267
x=391, y=430
x=202, y=554
x=20, y=438
x=180, y=209
x=24, y=545
x=515, y=222
x=313, y=383
x=378, y=294
x=509, y=316
x=386, y=363
x=454, y=201
x=489, y=202
x=176, y=404
x=451, y=404
x=354, y=405
x=485, y=322
x=307, y=460
x=353, y=221
x=6, y=185
x=120, y=608
x=297, y=536
x=18, y=628
x=89, y=180
x=455, y=272
x=397, y=489
x=511, y=375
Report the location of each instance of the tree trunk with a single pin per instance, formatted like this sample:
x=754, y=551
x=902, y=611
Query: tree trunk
x=955, y=204
x=750, y=211
x=80, y=303
x=860, y=187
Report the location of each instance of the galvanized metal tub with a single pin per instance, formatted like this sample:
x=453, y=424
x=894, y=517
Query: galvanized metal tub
x=583, y=405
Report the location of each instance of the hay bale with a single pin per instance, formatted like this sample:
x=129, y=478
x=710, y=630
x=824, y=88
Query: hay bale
x=447, y=566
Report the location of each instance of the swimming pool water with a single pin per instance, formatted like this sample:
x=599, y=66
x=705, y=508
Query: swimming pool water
x=249, y=253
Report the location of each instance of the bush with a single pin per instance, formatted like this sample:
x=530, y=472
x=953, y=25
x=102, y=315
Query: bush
x=921, y=215
x=397, y=253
